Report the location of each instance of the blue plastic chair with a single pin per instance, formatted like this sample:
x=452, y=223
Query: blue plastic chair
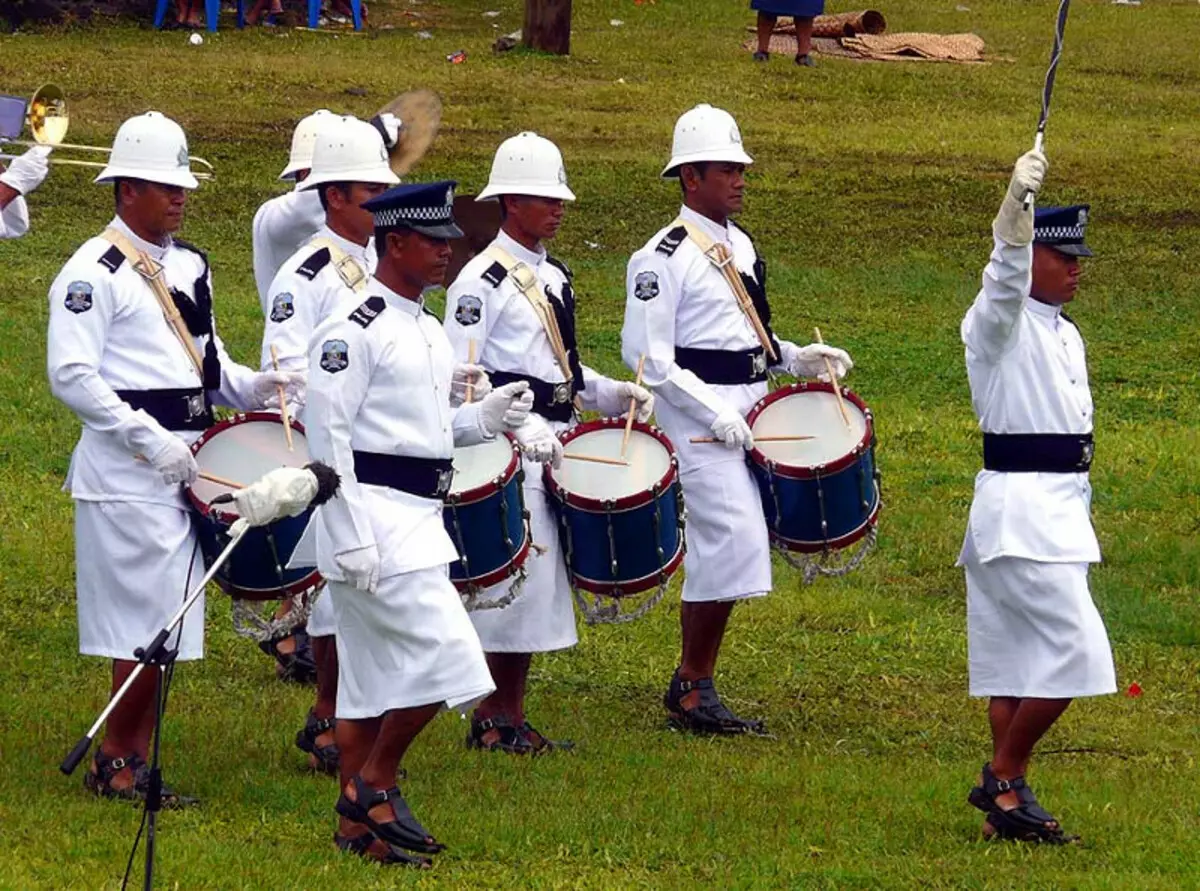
x=212, y=11
x=314, y=13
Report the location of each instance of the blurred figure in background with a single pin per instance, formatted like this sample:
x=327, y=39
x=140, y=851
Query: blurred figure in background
x=802, y=12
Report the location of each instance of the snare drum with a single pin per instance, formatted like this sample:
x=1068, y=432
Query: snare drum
x=241, y=450
x=485, y=514
x=819, y=494
x=621, y=526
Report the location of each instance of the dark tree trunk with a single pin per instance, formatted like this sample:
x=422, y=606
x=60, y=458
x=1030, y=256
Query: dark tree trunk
x=548, y=26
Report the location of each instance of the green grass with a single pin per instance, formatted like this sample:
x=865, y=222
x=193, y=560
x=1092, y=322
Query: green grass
x=871, y=198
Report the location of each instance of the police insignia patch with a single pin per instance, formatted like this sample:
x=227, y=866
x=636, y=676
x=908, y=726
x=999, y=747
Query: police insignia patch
x=282, y=307
x=468, y=310
x=335, y=355
x=79, y=297
x=182, y=158
x=645, y=285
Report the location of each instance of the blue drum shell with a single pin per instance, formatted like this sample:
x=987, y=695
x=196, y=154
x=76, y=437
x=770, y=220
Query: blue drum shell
x=257, y=568
x=491, y=535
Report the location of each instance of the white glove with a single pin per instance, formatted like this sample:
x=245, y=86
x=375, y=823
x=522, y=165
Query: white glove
x=266, y=387
x=809, y=361
x=360, y=568
x=284, y=492
x=464, y=374
x=388, y=126
x=732, y=429
x=538, y=441
x=174, y=461
x=1013, y=223
x=643, y=398
x=505, y=408
x=26, y=173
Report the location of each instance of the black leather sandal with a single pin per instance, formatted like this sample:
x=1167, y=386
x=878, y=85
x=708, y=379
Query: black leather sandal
x=403, y=832
x=509, y=738
x=360, y=845
x=1028, y=821
x=297, y=666
x=326, y=759
x=99, y=782
x=541, y=743
x=710, y=716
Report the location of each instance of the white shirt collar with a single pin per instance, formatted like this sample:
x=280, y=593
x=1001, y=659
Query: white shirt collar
x=715, y=230
x=358, y=251
x=397, y=301
x=518, y=250
x=1048, y=313
x=156, y=251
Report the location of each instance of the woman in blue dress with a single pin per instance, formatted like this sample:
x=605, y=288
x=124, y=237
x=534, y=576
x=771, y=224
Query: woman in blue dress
x=802, y=11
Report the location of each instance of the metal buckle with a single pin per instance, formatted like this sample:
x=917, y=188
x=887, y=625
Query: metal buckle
x=444, y=479
x=562, y=393
x=523, y=276
x=715, y=257
x=758, y=362
x=350, y=272
x=195, y=405
x=1085, y=460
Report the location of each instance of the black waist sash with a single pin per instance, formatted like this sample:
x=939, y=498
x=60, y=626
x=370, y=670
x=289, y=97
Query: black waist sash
x=728, y=367
x=423, y=477
x=554, y=402
x=180, y=408
x=1038, y=452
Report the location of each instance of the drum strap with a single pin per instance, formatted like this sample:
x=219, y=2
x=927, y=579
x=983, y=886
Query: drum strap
x=718, y=254
x=349, y=270
x=527, y=283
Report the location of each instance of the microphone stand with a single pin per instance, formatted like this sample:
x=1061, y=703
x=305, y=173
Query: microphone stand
x=162, y=658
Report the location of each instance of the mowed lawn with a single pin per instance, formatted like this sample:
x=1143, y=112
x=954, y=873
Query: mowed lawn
x=871, y=197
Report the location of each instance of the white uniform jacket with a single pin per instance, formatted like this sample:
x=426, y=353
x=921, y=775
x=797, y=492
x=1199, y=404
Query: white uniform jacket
x=305, y=292
x=379, y=381
x=1028, y=374
x=107, y=333
x=281, y=226
x=14, y=219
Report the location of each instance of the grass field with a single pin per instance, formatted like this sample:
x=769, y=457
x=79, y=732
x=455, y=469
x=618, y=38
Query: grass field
x=871, y=198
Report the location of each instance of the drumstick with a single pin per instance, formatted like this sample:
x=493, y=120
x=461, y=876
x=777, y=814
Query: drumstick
x=632, y=406
x=596, y=459
x=796, y=438
x=837, y=390
x=205, y=475
x=283, y=411
x=470, y=381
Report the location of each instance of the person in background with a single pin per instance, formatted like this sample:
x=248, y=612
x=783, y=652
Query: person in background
x=802, y=12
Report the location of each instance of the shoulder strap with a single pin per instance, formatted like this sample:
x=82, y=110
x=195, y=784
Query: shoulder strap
x=527, y=283
x=349, y=270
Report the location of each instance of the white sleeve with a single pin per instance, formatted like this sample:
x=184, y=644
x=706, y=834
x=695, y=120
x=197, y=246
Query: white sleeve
x=295, y=307
x=283, y=224
x=81, y=310
x=14, y=218
x=652, y=297
x=336, y=390
x=471, y=310
x=599, y=393
x=466, y=426
x=990, y=326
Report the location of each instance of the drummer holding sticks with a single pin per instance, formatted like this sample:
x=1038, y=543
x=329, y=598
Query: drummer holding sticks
x=133, y=351
x=697, y=311
x=516, y=303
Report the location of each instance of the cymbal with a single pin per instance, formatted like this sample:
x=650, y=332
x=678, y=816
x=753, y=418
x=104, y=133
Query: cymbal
x=420, y=113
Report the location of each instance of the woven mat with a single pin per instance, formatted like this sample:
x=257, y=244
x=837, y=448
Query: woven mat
x=961, y=48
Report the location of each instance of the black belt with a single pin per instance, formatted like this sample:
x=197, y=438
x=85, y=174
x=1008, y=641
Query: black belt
x=423, y=477
x=554, y=402
x=724, y=366
x=1038, y=452
x=183, y=408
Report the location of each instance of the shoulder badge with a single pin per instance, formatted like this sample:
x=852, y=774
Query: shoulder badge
x=671, y=241
x=112, y=259
x=335, y=355
x=469, y=309
x=561, y=267
x=494, y=274
x=282, y=307
x=314, y=264
x=645, y=285
x=79, y=297
x=368, y=311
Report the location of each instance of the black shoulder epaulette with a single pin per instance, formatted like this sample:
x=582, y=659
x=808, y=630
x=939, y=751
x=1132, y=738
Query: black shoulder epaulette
x=671, y=241
x=179, y=242
x=494, y=274
x=112, y=259
x=368, y=311
x=314, y=264
x=561, y=267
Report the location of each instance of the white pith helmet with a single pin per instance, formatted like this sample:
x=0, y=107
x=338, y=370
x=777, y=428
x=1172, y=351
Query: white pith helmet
x=527, y=164
x=150, y=147
x=349, y=151
x=705, y=133
x=304, y=137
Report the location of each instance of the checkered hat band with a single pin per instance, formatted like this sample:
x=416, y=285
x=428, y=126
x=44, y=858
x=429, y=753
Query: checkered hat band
x=1058, y=233
x=394, y=216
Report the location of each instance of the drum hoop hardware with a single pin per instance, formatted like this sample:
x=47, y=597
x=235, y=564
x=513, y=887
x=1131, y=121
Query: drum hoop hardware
x=470, y=594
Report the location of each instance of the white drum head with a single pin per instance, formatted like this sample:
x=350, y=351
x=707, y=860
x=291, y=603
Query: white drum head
x=648, y=459
x=479, y=464
x=809, y=413
x=243, y=453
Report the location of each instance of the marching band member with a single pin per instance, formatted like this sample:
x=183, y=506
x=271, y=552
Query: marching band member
x=24, y=174
x=517, y=304
x=1035, y=638
x=133, y=351
x=381, y=411
x=704, y=327
x=349, y=166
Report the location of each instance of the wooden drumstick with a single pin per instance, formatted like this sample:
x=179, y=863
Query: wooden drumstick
x=632, y=406
x=283, y=409
x=837, y=390
x=470, y=381
x=796, y=438
x=596, y=459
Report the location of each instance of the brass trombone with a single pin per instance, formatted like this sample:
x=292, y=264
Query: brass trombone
x=47, y=118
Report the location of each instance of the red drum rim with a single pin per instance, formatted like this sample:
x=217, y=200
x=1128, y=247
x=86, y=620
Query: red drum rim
x=634, y=586
x=814, y=471
x=311, y=582
x=496, y=576
x=628, y=502
x=833, y=544
x=486, y=490
x=242, y=418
